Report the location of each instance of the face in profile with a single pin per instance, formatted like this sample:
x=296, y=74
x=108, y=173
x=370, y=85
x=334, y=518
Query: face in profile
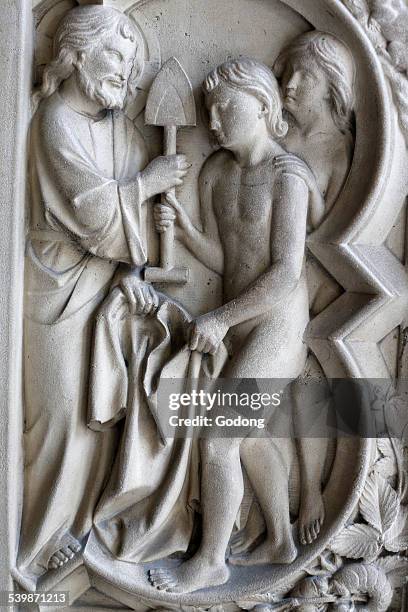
x=104, y=71
x=305, y=87
x=233, y=115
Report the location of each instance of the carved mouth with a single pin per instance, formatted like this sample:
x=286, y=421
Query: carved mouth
x=117, y=83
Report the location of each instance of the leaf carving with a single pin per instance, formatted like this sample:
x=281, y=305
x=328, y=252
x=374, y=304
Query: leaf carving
x=396, y=569
x=398, y=544
x=396, y=538
x=357, y=541
x=384, y=445
x=390, y=563
x=379, y=503
x=386, y=467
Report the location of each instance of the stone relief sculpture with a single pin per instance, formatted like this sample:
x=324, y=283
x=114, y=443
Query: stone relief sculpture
x=317, y=79
x=89, y=181
x=317, y=76
x=229, y=522
x=249, y=181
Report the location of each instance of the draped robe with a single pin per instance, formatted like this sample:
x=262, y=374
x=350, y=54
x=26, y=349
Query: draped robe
x=85, y=219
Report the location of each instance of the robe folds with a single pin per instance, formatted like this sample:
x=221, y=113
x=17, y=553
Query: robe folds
x=148, y=507
x=85, y=220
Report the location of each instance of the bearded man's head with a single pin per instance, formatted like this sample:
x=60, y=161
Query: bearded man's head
x=105, y=48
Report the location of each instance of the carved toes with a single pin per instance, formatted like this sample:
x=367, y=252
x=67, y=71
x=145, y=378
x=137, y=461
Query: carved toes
x=75, y=547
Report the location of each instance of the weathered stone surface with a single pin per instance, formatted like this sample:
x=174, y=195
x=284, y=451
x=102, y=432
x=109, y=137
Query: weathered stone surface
x=216, y=194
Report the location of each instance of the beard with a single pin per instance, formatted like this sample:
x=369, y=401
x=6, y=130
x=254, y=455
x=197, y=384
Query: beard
x=102, y=92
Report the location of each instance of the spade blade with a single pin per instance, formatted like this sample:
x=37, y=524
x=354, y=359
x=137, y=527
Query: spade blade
x=171, y=100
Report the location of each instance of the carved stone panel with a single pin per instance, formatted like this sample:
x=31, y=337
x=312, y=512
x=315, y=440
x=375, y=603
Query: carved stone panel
x=216, y=208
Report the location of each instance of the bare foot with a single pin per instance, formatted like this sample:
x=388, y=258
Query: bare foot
x=311, y=516
x=267, y=553
x=64, y=554
x=195, y=574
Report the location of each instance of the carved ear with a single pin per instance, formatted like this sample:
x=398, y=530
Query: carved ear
x=263, y=111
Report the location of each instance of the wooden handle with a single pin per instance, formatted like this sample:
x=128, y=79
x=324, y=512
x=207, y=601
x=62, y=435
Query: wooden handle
x=167, y=237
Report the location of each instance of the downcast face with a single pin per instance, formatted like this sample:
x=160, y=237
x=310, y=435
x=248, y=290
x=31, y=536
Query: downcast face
x=105, y=70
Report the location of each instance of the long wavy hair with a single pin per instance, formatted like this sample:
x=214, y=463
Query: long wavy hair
x=254, y=78
x=335, y=60
x=80, y=30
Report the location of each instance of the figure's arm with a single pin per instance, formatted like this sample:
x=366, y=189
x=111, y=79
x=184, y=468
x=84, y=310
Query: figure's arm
x=102, y=215
x=204, y=244
x=288, y=234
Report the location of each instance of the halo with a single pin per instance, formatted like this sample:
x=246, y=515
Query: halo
x=47, y=15
x=152, y=61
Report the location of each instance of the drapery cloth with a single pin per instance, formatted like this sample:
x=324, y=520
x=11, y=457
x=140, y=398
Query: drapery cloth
x=147, y=509
x=85, y=218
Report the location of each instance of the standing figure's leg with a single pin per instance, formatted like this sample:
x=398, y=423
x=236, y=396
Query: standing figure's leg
x=222, y=490
x=312, y=456
x=273, y=350
x=268, y=474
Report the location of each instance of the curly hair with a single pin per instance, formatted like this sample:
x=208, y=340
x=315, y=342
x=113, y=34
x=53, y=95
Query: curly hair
x=256, y=79
x=80, y=30
x=335, y=60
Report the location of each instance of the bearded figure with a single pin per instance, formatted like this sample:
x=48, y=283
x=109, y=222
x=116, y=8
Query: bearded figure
x=89, y=179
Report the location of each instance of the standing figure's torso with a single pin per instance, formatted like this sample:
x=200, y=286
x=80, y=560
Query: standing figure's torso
x=328, y=155
x=243, y=205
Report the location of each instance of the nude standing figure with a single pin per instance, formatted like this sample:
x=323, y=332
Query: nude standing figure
x=254, y=204
x=317, y=74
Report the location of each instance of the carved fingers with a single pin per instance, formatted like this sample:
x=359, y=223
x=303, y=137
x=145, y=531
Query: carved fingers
x=290, y=164
x=166, y=214
x=164, y=173
x=206, y=334
x=164, y=217
x=141, y=297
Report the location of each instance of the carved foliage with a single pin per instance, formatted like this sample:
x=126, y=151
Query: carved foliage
x=386, y=25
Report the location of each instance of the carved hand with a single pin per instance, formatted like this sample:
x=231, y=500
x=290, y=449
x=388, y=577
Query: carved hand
x=141, y=297
x=291, y=164
x=162, y=174
x=164, y=215
x=206, y=334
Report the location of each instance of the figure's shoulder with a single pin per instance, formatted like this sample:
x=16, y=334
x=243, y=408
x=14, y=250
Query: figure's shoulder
x=51, y=109
x=216, y=166
x=52, y=118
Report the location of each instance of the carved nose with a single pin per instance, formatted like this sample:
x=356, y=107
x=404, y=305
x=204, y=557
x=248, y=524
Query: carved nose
x=291, y=86
x=292, y=83
x=215, y=125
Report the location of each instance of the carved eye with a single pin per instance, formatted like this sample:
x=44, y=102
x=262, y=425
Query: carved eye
x=115, y=54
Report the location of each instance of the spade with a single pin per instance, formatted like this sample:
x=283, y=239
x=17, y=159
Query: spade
x=170, y=104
